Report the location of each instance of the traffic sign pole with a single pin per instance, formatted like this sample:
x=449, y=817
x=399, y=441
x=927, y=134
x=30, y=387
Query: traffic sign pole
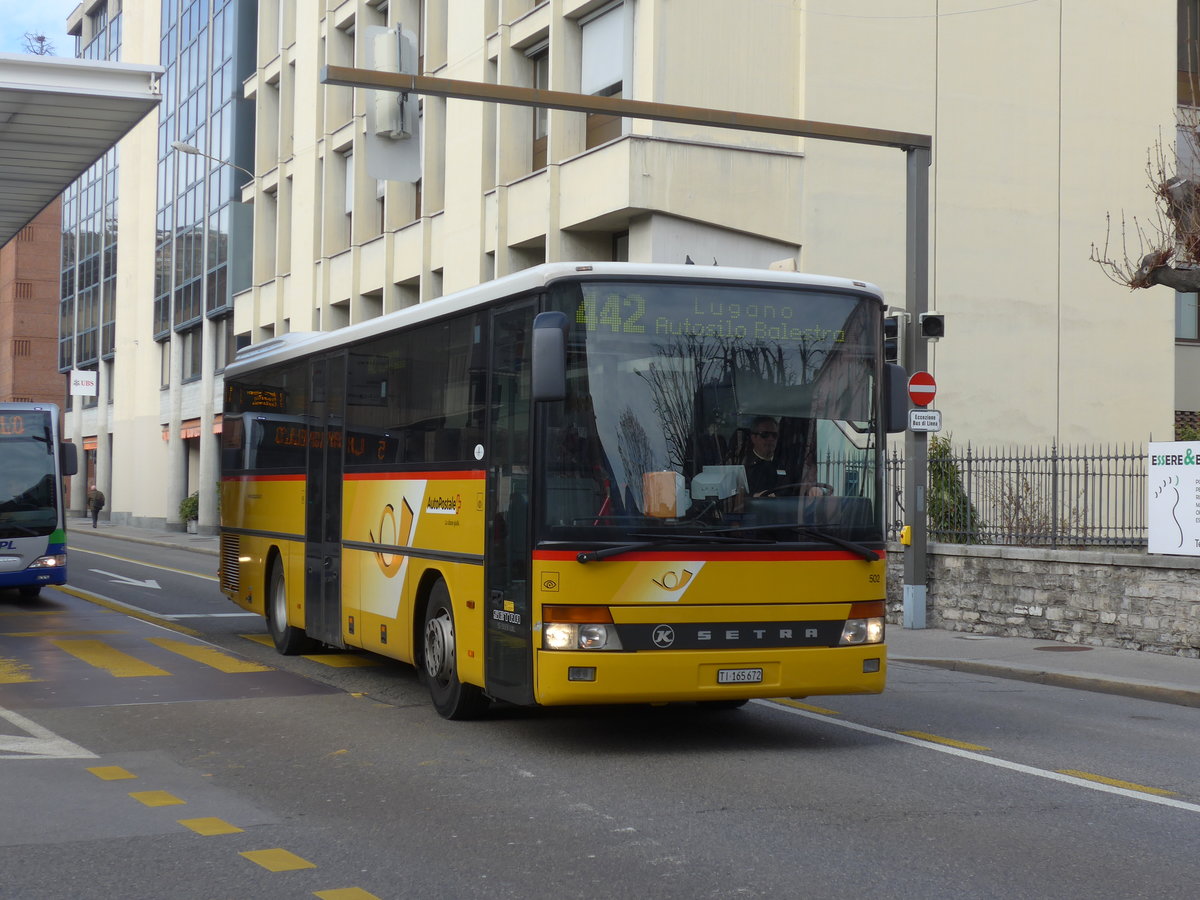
x=916, y=443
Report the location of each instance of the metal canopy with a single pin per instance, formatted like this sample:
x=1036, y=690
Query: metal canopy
x=57, y=117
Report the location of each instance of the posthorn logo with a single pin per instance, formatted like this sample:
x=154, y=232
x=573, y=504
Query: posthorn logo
x=663, y=636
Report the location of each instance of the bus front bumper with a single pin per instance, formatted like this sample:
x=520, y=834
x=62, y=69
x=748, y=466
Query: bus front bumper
x=564, y=678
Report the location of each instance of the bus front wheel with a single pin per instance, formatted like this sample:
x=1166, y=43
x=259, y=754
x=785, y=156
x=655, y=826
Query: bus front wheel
x=451, y=698
x=288, y=640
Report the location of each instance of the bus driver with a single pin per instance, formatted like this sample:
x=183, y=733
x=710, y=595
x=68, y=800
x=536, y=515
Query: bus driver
x=763, y=472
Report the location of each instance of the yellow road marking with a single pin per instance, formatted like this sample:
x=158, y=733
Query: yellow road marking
x=335, y=660
x=111, y=660
x=13, y=671
x=341, y=660
x=33, y=612
x=346, y=894
x=278, y=860
x=111, y=773
x=796, y=704
x=1128, y=785
x=210, y=826
x=209, y=656
x=128, y=610
x=949, y=742
x=58, y=632
x=156, y=798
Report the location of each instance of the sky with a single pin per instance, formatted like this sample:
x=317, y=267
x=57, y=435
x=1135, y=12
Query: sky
x=48, y=17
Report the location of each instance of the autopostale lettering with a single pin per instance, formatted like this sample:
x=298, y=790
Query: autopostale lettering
x=725, y=635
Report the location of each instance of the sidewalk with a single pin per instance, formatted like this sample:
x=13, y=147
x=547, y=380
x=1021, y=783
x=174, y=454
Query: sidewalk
x=1131, y=673
x=198, y=543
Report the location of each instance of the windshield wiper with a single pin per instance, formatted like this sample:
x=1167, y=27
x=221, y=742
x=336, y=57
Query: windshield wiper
x=660, y=540
x=854, y=547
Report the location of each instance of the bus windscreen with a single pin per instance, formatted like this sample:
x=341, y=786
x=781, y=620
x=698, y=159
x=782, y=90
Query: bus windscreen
x=698, y=406
x=28, y=494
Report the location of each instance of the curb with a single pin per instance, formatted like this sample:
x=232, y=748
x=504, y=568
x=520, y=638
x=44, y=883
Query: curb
x=208, y=551
x=1138, y=690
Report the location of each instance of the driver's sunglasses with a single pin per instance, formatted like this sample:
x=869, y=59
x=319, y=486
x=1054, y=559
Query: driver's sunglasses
x=766, y=434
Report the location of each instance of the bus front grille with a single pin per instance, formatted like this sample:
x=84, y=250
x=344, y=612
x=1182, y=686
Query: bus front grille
x=231, y=575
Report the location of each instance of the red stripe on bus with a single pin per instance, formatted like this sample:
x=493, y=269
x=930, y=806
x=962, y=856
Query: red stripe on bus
x=707, y=555
x=467, y=475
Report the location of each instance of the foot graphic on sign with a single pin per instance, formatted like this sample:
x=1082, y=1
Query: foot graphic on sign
x=1169, y=491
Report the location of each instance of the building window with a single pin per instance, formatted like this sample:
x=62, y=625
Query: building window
x=620, y=246
x=1187, y=317
x=192, y=344
x=1188, y=37
x=348, y=162
x=602, y=69
x=380, y=205
x=539, y=58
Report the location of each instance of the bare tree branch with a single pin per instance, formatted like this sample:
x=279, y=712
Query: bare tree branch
x=37, y=44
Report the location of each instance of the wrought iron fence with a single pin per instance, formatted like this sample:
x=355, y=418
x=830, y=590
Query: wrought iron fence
x=1034, y=497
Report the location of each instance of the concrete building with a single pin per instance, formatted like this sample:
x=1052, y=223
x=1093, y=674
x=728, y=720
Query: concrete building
x=1042, y=114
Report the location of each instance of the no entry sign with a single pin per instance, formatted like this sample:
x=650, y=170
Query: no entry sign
x=921, y=388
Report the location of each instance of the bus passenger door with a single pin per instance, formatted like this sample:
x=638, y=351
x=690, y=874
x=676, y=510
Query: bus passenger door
x=323, y=513
x=507, y=612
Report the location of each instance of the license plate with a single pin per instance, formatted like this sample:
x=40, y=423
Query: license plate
x=739, y=676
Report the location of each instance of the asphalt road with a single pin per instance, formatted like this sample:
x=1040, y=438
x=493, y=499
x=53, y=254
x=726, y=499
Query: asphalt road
x=344, y=784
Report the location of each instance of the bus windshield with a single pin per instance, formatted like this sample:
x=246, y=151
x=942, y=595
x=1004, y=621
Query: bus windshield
x=28, y=497
x=710, y=408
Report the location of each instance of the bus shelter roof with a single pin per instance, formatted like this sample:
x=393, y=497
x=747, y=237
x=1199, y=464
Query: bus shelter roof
x=57, y=117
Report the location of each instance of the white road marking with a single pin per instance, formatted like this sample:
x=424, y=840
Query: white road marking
x=988, y=760
x=125, y=579
x=37, y=742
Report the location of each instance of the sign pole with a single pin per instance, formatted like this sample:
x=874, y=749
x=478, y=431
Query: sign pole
x=916, y=446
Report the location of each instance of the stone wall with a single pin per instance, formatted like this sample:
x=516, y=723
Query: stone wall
x=1130, y=600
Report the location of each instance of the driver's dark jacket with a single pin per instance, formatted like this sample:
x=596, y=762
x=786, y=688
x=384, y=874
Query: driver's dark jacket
x=764, y=474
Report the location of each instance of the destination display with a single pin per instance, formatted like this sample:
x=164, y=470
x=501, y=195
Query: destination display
x=631, y=313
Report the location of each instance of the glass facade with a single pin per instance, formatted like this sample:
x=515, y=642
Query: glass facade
x=207, y=51
x=88, y=271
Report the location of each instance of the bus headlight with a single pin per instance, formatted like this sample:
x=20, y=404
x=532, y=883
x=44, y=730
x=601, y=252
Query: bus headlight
x=579, y=628
x=53, y=561
x=863, y=631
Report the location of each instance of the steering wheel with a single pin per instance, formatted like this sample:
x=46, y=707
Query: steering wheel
x=802, y=488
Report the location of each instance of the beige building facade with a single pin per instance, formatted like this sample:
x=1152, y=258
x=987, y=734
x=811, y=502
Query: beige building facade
x=1042, y=113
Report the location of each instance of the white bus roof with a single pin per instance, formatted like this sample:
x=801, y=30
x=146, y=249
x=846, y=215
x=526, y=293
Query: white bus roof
x=290, y=346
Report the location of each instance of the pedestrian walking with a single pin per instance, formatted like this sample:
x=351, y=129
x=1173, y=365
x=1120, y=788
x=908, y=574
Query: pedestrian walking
x=95, y=502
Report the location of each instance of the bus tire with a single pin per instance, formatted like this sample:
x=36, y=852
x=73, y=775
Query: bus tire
x=29, y=591
x=439, y=668
x=288, y=639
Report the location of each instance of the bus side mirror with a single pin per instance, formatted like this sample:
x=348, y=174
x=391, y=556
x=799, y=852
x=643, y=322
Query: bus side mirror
x=895, y=396
x=68, y=458
x=549, y=376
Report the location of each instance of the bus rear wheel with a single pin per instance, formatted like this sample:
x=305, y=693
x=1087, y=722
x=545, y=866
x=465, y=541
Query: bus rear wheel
x=451, y=698
x=288, y=639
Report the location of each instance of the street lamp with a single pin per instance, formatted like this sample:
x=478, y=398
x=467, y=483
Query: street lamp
x=196, y=151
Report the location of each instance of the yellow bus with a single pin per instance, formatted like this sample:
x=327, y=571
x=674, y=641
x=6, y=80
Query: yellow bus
x=584, y=483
